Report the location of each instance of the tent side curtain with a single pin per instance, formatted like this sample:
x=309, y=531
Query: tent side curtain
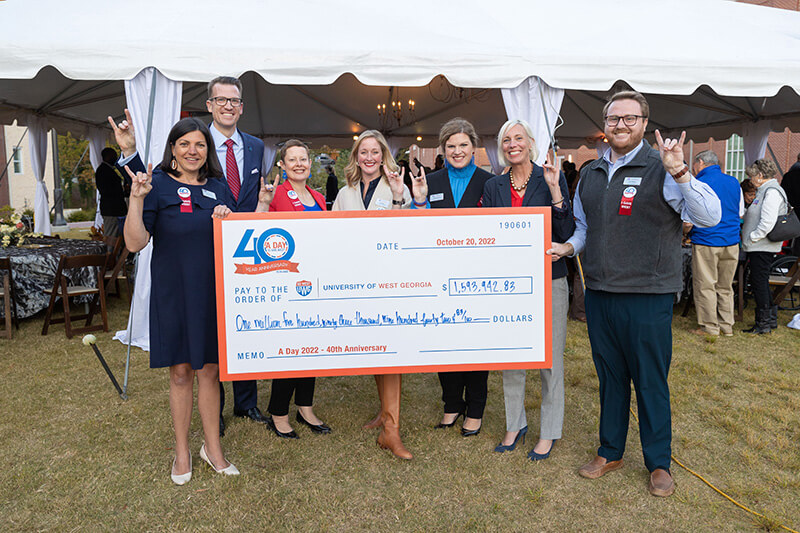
x=538, y=104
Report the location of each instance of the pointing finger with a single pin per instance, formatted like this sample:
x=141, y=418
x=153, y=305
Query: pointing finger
x=149, y=170
x=131, y=174
x=659, y=140
x=128, y=118
x=683, y=137
x=113, y=124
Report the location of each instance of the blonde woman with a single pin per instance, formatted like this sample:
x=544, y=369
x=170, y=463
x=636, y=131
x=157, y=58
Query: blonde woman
x=374, y=182
x=528, y=184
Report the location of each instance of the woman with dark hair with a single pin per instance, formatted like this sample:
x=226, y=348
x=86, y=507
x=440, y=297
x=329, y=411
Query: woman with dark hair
x=375, y=183
x=175, y=204
x=295, y=195
x=528, y=184
x=460, y=184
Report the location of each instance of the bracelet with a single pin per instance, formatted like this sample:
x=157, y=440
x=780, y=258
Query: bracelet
x=680, y=174
x=397, y=202
x=558, y=202
x=423, y=204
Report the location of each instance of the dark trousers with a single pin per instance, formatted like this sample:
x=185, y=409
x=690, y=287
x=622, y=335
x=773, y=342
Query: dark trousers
x=631, y=338
x=244, y=396
x=462, y=390
x=759, y=277
x=282, y=390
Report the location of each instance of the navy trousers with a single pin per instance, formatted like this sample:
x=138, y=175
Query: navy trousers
x=631, y=338
x=245, y=394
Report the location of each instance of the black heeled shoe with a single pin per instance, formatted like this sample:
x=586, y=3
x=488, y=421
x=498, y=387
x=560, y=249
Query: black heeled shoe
x=470, y=432
x=451, y=424
x=289, y=435
x=319, y=429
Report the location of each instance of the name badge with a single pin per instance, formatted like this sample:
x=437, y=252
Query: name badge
x=626, y=202
x=186, y=199
x=381, y=203
x=632, y=181
x=437, y=197
x=209, y=194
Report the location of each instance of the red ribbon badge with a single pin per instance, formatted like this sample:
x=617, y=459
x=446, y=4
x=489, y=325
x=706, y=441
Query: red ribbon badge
x=266, y=267
x=626, y=202
x=186, y=199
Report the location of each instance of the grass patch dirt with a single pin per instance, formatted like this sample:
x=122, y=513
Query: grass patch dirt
x=80, y=459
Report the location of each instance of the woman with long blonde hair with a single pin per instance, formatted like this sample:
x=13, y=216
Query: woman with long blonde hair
x=375, y=183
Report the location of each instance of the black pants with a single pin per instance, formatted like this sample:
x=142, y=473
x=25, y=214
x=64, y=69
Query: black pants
x=282, y=390
x=245, y=394
x=759, y=277
x=464, y=390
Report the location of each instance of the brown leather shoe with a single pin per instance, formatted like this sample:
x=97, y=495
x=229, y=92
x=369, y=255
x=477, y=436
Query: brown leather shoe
x=661, y=483
x=598, y=467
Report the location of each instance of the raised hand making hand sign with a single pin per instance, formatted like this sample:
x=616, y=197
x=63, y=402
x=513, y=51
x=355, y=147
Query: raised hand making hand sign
x=671, y=151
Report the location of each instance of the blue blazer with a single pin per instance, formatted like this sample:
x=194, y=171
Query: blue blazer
x=253, y=166
x=497, y=193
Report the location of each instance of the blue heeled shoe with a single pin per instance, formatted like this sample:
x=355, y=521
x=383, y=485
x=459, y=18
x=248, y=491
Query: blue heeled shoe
x=500, y=448
x=533, y=456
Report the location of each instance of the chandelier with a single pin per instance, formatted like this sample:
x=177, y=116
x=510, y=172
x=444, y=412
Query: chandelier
x=395, y=111
x=443, y=91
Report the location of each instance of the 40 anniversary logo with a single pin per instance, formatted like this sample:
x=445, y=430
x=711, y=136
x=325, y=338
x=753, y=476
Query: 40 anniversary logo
x=270, y=252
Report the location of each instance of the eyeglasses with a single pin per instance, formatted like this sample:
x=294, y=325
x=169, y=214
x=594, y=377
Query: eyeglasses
x=222, y=101
x=629, y=120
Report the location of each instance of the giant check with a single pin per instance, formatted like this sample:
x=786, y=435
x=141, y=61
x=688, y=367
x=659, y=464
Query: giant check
x=373, y=292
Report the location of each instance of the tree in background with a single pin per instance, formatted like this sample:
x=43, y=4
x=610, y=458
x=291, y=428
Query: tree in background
x=79, y=188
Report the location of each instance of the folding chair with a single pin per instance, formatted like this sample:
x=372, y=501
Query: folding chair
x=62, y=290
x=115, y=269
x=8, y=296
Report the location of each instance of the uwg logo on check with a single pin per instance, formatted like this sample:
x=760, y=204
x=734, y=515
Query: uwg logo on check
x=270, y=252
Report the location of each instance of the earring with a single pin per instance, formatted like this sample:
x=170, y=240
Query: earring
x=173, y=164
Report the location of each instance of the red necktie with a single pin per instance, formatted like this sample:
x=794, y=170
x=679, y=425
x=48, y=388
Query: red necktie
x=232, y=170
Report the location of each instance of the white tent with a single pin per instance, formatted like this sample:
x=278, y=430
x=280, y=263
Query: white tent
x=318, y=69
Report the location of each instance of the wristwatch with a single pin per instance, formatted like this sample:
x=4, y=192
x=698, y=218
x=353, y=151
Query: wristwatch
x=680, y=174
x=397, y=202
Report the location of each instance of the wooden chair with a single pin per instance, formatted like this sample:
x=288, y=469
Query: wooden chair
x=8, y=296
x=61, y=290
x=115, y=269
x=785, y=276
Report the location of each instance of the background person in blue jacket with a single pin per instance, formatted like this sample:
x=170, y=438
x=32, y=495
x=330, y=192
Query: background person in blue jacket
x=715, y=250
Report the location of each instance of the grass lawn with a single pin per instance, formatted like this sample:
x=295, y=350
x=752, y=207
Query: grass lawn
x=78, y=458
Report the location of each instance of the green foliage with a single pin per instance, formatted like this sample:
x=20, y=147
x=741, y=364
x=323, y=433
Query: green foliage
x=80, y=185
x=84, y=215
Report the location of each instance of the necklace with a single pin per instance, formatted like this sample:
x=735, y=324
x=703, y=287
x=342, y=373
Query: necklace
x=521, y=187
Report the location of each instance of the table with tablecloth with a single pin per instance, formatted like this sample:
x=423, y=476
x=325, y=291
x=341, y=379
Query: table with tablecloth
x=34, y=266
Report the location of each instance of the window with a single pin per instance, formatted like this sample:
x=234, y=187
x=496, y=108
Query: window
x=734, y=157
x=17, y=157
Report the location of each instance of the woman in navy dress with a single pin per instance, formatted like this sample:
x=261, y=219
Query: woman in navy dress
x=175, y=204
x=295, y=195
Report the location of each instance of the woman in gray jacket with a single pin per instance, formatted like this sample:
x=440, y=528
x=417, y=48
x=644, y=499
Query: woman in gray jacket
x=759, y=219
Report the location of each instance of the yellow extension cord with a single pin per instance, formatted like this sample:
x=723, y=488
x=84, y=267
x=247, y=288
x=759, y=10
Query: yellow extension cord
x=695, y=474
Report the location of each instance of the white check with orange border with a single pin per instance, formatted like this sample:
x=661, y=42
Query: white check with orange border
x=382, y=292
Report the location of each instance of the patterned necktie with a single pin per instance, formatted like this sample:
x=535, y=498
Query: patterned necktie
x=232, y=170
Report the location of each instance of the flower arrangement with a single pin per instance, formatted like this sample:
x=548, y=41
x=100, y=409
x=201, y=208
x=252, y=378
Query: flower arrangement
x=12, y=230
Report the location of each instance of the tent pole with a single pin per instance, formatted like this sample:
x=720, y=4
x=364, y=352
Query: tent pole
x=136, y=258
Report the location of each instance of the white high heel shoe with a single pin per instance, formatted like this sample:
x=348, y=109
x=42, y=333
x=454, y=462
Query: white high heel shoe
x=181, y=479
x=229, y=470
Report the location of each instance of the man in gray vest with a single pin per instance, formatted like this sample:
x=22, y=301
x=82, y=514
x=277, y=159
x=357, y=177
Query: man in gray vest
x=628, y=210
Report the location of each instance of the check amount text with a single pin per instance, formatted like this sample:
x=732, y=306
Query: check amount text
x=480, y=286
